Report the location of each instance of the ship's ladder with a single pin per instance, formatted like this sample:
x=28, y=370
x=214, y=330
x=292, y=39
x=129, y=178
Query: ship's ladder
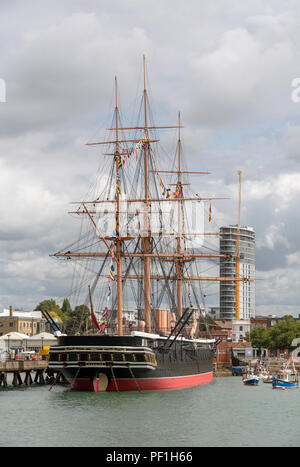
x=133, y=377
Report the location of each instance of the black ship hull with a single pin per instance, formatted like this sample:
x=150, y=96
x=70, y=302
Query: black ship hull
x=115, y=363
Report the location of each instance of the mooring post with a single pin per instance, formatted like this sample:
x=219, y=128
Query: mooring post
x=28, y=380
x=15, y=379
x=3, y=379
x=39, y=377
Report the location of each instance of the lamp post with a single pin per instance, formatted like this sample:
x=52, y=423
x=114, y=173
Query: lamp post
x=8, y=336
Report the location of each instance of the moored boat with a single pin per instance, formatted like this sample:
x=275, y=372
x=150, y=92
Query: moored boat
x=263, y=373
x=268, y=379
x=250, y=379
x=287, y=378
x=138, y=362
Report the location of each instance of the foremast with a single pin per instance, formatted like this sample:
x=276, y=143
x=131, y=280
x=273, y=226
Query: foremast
x=118, y=237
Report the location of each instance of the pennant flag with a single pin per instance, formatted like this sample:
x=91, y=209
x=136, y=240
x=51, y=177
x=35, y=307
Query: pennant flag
x=179, y=190
x=112, y=246
x=119, y=162
x=93, y=316
x=111, y=273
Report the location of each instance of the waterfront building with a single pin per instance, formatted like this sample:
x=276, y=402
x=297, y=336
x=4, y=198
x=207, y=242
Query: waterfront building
x=16, y=340
x=241, y=350
x=222, y=330
x=24, y=322
x=228, y=269
x=239, y=329
x=269, y=321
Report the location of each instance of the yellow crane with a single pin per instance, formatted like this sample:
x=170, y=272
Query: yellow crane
x=237, y=261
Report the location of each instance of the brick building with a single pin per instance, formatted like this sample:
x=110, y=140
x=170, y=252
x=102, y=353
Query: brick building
x=238, y=349
x=222, y=330
x=29, y=323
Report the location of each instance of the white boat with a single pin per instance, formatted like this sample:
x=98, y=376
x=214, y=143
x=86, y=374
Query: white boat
x=287, y=378
x=250, y=379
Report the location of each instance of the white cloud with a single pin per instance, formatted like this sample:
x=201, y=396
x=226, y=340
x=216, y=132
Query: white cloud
x=227, y=66
x=294, y=259
x=292, y=136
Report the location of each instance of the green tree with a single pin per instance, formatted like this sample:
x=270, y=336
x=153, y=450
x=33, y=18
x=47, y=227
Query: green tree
x=205, y=322
x=66, y=307
x=259, y=337
x=51, y=306
x=282, y=334
x=77, y=321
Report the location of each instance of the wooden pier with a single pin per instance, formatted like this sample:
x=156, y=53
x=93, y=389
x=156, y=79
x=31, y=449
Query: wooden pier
x=33, y=371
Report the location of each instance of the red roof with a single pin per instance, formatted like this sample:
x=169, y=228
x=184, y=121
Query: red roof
x=223, y=324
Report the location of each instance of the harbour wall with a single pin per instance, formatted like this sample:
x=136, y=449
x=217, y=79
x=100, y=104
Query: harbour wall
x=274, y=365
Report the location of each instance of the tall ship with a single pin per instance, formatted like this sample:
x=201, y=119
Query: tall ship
x=136, y=267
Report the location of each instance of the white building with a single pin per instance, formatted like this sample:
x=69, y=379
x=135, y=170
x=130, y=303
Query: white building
x=239, y=329
x=21, y=314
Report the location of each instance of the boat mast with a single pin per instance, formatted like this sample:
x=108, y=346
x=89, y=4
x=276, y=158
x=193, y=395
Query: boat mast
x=179, y=210
x=237, y=259
x=118, y=239
x=146, y=240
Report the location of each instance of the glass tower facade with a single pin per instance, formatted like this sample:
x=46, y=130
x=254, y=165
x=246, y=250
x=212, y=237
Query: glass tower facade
x=228, y=269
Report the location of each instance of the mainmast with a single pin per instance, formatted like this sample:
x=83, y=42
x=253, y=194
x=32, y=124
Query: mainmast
x=146, y=240
x=118, y=239
x=179, y=211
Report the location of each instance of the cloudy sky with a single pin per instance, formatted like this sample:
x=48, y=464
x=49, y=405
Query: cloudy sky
x=227, y=65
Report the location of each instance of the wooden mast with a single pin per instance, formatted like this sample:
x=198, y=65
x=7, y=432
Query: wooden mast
x=118, y=239
x=237, y=259
x=179, y=209
x=146, y=240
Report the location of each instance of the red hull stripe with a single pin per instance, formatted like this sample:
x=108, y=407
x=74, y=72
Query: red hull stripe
x=147, y=384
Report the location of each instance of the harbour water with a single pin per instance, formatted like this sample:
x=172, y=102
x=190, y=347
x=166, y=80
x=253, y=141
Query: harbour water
x=225, y=413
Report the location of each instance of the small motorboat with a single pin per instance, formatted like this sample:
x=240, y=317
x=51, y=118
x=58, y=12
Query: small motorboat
x=268, y=379
x=261, y=372
x=250, y=379
x=287, y=378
